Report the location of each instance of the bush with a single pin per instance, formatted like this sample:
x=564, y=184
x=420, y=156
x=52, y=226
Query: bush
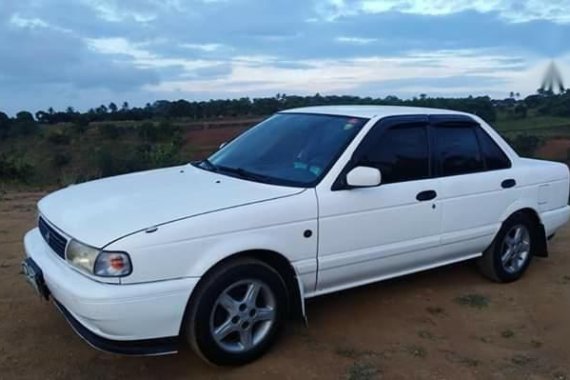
x=158, y=155
x=12, y=168
x=61, y=159
x=80, y=127
x=59, y=138
x=115, y=159
x=148, y=132
x=525, y=145
x=109, y=131
x=165, y=131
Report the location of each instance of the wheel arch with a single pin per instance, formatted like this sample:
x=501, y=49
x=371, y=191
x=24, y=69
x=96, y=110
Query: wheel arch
x=541, y=246
x=275, y=260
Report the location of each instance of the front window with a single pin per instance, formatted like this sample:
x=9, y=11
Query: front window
x=287, y=149
x=401, y=153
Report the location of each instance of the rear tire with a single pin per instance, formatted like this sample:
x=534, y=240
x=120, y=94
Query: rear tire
x=510, y=254
x=237, y=312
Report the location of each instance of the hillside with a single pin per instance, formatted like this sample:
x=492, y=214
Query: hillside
x=40, y=154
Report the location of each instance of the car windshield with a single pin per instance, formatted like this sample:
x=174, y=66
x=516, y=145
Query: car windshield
x=287, y=149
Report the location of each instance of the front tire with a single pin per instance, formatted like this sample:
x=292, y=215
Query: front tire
x=237, y=312
x=511, y=252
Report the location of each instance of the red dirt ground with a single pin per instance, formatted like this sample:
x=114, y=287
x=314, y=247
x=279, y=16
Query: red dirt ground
x=555, y=149
x=410, y=328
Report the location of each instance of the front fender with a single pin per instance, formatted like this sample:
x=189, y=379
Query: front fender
x=189, y=248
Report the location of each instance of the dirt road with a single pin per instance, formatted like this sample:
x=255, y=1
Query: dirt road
x=444, y=324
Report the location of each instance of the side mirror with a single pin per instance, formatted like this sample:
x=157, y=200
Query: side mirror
x=223, y=145
x=363, y=176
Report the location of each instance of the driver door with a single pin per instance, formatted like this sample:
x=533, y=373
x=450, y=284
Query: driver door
x=368, y=234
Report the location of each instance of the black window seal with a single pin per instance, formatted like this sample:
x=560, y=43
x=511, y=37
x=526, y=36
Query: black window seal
x=436, y=120
x=479, y=133
x=380, y=127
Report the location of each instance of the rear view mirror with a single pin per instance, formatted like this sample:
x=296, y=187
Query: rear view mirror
x=363, y=176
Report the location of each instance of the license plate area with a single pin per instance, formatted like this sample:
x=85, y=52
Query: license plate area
x=34, y=276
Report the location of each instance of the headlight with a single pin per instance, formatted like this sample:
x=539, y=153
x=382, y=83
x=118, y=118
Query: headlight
x=97, y=262
x=81, y=256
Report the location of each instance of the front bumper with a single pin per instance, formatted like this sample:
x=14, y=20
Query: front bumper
x=135, y=319
x=145, y=347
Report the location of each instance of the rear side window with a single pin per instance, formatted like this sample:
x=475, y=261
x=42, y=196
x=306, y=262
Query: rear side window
x=401, y=153
x=495, y=158
x=457, y=149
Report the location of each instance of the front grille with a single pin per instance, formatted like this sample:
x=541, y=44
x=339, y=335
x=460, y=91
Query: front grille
x=54, y=239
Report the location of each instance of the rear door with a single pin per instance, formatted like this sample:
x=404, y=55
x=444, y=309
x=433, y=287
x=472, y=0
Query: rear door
x=477, y=184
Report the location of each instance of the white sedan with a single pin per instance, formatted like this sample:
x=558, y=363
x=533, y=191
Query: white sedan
x=219, y=253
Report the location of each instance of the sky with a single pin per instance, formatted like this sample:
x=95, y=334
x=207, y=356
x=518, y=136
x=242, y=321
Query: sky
x=83, y=53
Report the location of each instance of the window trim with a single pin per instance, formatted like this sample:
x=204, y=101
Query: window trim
x=477, y=129
x=438, y=172
x=380, y=127
x=481, y=131
x=431, y=121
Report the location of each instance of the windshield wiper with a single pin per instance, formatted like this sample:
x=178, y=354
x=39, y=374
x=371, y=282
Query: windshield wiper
x=240, y=172
x=209, y=165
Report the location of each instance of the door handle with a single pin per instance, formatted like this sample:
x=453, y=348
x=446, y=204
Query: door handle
x=427, y=195
x=508, y=183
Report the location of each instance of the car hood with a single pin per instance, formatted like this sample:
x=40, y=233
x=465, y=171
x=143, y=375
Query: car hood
x=101, y=211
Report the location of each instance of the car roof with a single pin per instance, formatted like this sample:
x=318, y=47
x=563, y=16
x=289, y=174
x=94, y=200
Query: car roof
x=371, y=111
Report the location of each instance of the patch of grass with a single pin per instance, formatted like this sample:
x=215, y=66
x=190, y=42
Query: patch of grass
x=469, y=362
x=536, y=125
x=521, y=360
x=362, y=371
x=435, y=310
x=454, y=357
x=424, y=334
x=477, y=301
x=417, y=351
x=352, y=353
x=507, y=334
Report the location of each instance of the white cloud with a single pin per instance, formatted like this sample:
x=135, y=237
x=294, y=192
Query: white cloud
x=119, y=46
x=355, y=40
x=203, y=47
x=142, y=58
x=510, y=10
x=260, y=75
x=115, y=11
x=33, y=23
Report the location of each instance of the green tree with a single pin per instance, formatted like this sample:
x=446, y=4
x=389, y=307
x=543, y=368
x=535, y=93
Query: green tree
x=4, y=125
x=24, y=124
